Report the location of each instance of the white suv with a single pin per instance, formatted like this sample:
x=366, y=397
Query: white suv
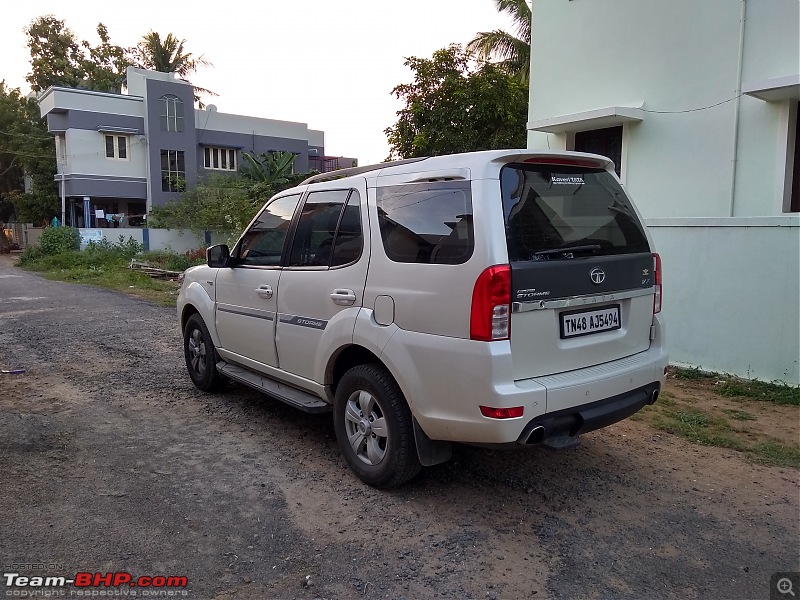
x=507, y=297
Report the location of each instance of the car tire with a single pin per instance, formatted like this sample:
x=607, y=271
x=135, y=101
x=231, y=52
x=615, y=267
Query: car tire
x=201, y=355
x=374, y=427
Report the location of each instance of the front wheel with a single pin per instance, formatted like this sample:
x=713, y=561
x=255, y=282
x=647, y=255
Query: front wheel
x=374, y=427
x=201, y=356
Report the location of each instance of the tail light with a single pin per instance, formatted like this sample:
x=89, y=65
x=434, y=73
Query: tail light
x=502, y=413
x=657, y=297
x=490, y=318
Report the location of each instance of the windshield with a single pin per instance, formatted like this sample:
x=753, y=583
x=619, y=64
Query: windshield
x=555, y=212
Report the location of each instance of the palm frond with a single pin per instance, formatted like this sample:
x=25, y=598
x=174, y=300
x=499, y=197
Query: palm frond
x=520, y=13
x=510, y=53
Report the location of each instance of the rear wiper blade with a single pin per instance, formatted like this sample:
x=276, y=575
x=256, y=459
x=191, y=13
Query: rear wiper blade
x=566, y=249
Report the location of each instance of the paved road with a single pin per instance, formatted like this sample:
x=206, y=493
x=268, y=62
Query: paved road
x=111, y=461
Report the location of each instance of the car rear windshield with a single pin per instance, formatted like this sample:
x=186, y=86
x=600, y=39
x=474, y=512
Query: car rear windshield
x=560, y=212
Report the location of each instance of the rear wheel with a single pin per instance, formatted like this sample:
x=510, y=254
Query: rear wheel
x=201, y=356
x=374, y=427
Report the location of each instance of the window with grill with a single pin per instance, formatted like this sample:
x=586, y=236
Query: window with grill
x=117, y=147
x=171, y=113
x=173, y=171
x=221, y=159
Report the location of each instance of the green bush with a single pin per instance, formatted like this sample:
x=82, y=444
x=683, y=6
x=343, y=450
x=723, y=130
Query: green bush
x=172, y=261
x=55, y=240
x=31, y=254
x=121, y=249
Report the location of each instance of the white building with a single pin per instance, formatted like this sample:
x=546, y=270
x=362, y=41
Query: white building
x=121, y=154
x=697, y=103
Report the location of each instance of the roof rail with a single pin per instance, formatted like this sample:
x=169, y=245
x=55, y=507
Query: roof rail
x=338, y=174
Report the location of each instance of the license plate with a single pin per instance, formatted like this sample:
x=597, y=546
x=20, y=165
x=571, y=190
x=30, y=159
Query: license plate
x=585, y=322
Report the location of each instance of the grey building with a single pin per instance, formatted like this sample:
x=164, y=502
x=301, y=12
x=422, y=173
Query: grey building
x=119, y=155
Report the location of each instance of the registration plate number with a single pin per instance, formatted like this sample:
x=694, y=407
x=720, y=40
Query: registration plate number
x=585, y=322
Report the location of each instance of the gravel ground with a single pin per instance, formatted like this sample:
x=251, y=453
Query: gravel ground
x=110, y=460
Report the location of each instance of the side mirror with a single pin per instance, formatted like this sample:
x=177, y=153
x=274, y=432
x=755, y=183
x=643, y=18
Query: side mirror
x=218, y=256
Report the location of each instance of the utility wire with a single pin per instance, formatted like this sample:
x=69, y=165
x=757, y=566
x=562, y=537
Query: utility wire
x=677, y=112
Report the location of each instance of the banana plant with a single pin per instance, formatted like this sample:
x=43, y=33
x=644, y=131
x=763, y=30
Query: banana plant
x=271, y=168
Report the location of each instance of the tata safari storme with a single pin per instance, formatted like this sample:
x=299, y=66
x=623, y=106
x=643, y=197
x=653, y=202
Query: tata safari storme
x=500, y=298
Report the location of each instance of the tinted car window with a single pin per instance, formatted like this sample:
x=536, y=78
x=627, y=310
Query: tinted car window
x=262, y=244
x=316, y=228
x=560, y=212
x=349, y=239
x=427, y=222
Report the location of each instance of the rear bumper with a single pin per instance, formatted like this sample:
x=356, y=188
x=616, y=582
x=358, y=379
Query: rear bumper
x=588, y=417
x=446, y=398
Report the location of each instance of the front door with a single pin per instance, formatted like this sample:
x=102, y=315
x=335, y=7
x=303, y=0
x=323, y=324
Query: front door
x=321, y=288
x=247, y=291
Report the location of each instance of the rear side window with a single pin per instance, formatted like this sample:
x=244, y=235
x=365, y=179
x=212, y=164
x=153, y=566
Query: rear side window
x=328, y=231
x=561, y=212
x=349, y=239
x=427, y=222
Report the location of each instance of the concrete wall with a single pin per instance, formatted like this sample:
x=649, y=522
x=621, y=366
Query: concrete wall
x=176, y=240
x=706, y=167
x=668, y=57
x=184, y=141
x=731, y=294
x=86, y=153
x=59, y=99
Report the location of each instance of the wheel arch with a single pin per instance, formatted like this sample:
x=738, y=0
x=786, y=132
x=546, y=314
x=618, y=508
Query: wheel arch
x=430, y=452
x=195, y=299
x=344, y=359
x=187, y=312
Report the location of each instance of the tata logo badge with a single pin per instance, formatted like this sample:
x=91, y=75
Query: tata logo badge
x=598, y=276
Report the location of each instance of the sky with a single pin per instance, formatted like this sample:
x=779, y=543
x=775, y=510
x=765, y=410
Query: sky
x=329, y=63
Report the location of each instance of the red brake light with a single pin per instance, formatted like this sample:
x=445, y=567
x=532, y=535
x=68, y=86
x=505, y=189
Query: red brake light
x=657, y=296
x=490, y=318
x=502, y=413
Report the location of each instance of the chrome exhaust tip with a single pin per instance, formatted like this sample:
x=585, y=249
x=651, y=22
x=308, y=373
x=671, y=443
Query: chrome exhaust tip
x=536, y=436
x=654, y=396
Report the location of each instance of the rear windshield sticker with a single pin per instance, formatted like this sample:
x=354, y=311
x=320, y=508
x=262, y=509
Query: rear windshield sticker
x=566, y=179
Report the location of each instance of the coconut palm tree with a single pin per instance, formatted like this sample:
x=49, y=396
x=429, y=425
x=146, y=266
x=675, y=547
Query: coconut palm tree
x=169, y=56
x=512, y=53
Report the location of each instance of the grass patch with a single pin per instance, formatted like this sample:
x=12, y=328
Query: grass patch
x=700, y=428
x=106, y=265
x=721, y=427
x=173, y=261
x=776, y=392
x=690, y=374
x=775, y=453
x=738, y=415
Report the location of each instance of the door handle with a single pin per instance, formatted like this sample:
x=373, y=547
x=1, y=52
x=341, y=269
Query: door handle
x=343, y=297
x=264, y=291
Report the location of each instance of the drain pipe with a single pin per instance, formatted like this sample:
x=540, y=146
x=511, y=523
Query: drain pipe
x=736, y=103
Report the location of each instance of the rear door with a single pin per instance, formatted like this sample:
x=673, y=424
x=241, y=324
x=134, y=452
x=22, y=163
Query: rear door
x=581, y=268
x=321, y=288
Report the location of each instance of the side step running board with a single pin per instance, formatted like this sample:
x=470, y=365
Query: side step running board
x=292, y=396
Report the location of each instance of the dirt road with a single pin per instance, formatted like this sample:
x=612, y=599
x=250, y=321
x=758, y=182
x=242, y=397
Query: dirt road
x=110, y=460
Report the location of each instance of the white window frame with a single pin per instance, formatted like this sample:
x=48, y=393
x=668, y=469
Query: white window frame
x=210, y=153
x=172, y=113
x=117, y=140
x=175, y=176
